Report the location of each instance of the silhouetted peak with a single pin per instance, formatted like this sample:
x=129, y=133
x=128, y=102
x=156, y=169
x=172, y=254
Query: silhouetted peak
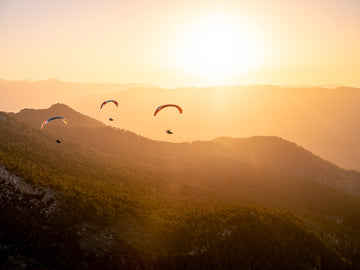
x=34, y=117
x=61, y=106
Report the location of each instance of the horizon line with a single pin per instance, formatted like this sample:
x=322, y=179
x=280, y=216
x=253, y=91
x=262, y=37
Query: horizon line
x=152, y=85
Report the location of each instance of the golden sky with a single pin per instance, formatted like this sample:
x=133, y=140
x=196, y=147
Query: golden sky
x=182, y=43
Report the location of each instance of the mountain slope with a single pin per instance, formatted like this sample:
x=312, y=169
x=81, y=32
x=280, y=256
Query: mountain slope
x=277, y=154
x=36, y=117
x=271, y=153
x=162, y=202
x=325, y=121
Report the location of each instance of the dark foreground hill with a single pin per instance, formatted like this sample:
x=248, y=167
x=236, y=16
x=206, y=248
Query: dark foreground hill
x=108, y=198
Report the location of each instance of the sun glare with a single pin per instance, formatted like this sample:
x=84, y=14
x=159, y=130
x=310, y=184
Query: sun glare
x=217, y=48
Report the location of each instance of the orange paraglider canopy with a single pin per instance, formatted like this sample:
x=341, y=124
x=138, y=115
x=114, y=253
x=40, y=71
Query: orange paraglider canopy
x=167, y=105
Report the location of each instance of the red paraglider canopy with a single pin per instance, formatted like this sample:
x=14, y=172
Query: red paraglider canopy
x=167, y=105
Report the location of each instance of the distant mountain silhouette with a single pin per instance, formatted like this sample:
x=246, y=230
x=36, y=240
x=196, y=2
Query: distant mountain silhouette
x=16, y=95
x=323, y=120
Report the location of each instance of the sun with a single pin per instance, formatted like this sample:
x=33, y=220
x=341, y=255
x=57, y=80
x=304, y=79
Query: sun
x=217, y=48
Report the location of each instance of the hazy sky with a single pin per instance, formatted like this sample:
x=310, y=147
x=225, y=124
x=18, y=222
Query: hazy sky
x=181, y=43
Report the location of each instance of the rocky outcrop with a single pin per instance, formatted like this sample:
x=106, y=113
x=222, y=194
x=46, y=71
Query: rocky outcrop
x=26, y=215
x=14, y=188
x=39, y=229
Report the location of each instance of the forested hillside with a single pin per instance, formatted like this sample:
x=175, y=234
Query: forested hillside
x=108, y=198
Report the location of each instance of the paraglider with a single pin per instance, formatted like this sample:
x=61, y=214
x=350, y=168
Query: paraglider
x=53, y=118
x=169, y=131
x=113, y=101
x=105, y=102
x=58, y=141
x=167, y=105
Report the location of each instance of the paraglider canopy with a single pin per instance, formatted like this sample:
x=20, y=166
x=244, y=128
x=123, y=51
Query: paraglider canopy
x=53, y=118
x=105, y=102
x=169, y=131
x=110, y=119
x=167, y=105
x=58, y=141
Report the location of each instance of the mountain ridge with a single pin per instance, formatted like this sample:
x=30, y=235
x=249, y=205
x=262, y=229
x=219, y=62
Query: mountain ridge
x=265, y=152
x=182, y=193
x=322, y=120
